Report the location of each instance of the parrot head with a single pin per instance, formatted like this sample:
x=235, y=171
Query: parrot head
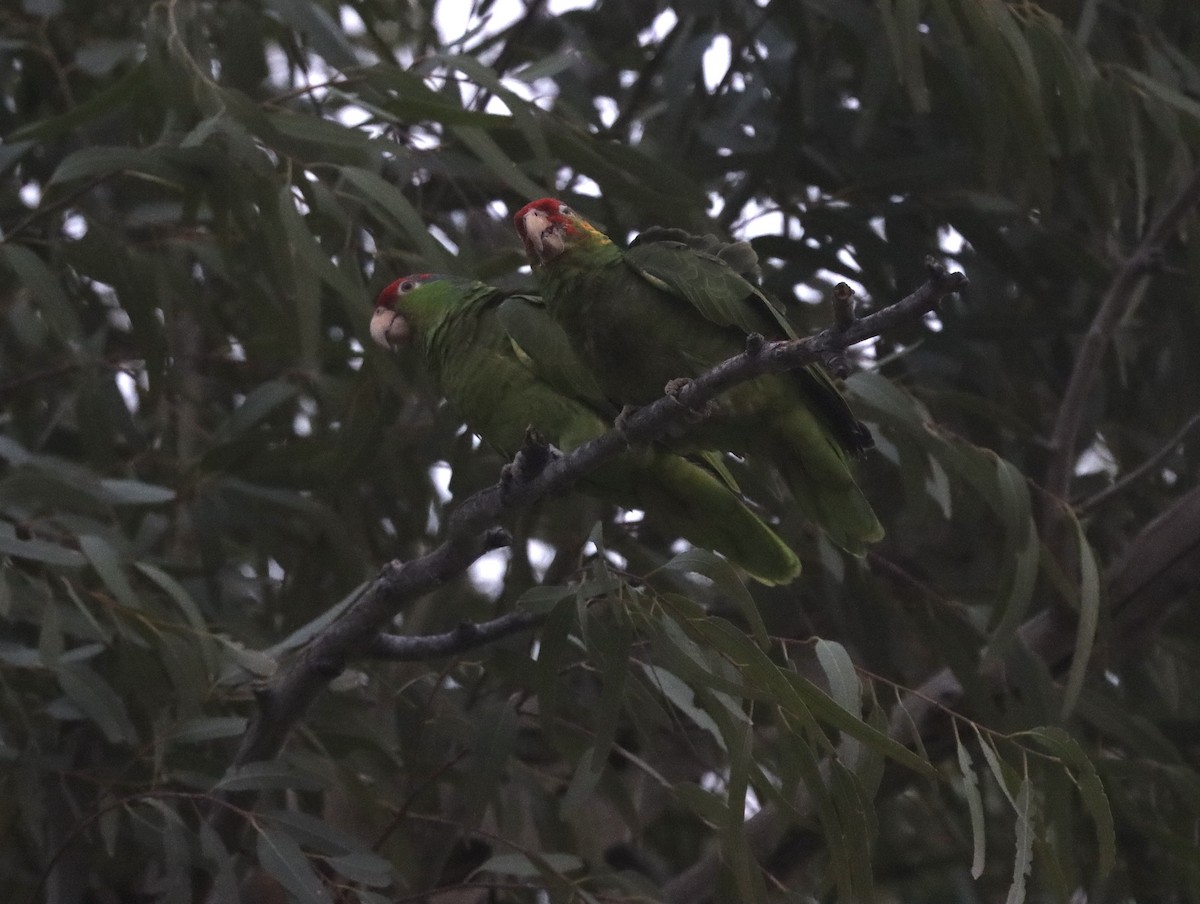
x=548, y=227
x=391, y=324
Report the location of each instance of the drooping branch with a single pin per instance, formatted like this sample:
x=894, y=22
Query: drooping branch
x=1158, y=571
x=471, y=530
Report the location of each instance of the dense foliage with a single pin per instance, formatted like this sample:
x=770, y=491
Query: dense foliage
x=204, y=459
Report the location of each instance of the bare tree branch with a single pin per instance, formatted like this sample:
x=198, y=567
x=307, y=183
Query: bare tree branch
x=467, y=636
x=470, y=530
x=1065, y=437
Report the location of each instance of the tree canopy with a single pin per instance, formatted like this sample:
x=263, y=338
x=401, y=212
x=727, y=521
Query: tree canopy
x=274, y=627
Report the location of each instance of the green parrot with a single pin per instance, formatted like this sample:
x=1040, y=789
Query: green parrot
x=503, y=365
x=674, y=305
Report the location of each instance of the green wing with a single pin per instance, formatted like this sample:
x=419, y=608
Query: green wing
x=718, y=279
x=542, y=346
x=713, y=276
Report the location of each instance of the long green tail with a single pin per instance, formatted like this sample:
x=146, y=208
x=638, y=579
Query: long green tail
x=818, y=475
x=700, y=508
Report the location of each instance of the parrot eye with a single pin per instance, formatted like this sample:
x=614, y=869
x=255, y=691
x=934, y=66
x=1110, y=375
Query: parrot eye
x=565, y=210
x=408, y=285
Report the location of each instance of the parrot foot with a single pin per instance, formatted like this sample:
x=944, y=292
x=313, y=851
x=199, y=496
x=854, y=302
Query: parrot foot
x=843, y=307
x=496, y=538
x=837, y=364
x=678, y=385
x=531, y=459
x=621, y=421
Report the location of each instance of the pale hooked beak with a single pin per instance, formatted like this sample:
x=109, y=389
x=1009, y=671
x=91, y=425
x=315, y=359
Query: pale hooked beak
x=542, y=238
x=388, y=328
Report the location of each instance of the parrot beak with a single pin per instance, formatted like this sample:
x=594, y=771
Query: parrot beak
x=543, y=239
x=389, y=328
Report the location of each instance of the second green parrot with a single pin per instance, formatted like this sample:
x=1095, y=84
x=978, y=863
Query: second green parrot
x=672, y=306
x=504, y=365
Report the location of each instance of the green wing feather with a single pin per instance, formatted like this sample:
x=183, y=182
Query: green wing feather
x=540, y=343
x=542, y=346
x=700, y=273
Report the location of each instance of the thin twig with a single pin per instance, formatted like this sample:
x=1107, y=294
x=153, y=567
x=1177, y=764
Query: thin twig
x=1141, y=470
x=467, y=636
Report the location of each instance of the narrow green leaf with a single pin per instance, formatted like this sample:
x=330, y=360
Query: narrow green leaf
x=13, y=452
x=303, y=250
x=498, y=163
x=207, y=728
x=306, y=136
x=997, y=767
x=795, y=693
x=260, y=403
x=50, y=638
x=48, y=295
x=1164, y=93
x=323, y=33
x=177, y=593
x=525, y=115
x=101, y=634
x=543, y=598
x=98, y=162
x=1089, y=620
x=974, y=807
x=364, y=866
x=410, y=99
x=684, y=698
x=390, y=205
x=1022, y=541
x=611, y=651
x=176, y=859
x=116, y=96
x=317, y=834
x=266, y=775
x=727, y=580
x=253, y=661
x=734, y=845
x=1023, y=858
x=135, y=492
x=1006, y=23
x=911, y=68
x=492, y=745
x=1091, y=789
x=859, y=827
x=108, y=822
x=12, y=152
x=844, y=683
x=705, y=804
x=104, y=559
x=937, y=484
x=224, y=881
x=37, y=550
x=521, y=866
x=98, y=701
x=282, y=857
